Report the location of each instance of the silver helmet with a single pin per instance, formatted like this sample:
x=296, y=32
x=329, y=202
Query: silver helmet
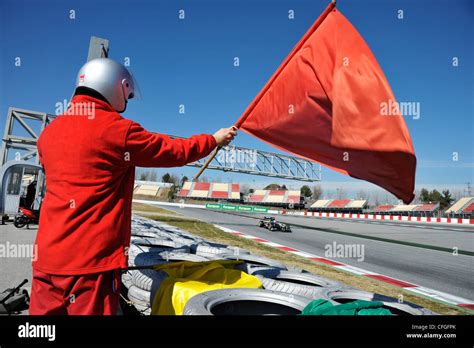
x=109, y=78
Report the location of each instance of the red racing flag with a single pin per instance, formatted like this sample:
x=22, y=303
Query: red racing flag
x=329, y=102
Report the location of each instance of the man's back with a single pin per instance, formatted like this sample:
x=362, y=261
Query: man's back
x=89, y=157
x=89, y=185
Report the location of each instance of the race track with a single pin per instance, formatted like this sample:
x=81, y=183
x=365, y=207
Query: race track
x=421, y=254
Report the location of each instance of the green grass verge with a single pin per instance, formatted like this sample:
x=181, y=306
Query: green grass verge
x=141, y=207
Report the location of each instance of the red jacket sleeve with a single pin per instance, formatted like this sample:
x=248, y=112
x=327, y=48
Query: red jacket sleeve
x=147, y=149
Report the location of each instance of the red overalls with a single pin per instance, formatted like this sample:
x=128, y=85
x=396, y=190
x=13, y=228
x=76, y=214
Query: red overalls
x=89, y=157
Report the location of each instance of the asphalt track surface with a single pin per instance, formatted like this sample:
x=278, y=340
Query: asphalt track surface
x=421, y=254
x=13, y=270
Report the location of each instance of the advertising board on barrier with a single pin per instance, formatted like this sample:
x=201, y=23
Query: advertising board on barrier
x=244, y=208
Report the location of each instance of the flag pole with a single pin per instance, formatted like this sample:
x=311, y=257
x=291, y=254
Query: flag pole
x=252, y=105
x=206, y=164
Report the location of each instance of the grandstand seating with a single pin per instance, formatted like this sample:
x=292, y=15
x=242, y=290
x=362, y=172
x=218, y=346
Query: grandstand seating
x=257, y=197
x=424, y=209
x=458, y=206
x=294, y=196
x=403, y=208
x=147, y=190
x=321, y=203
x=339, y=205
x=151, y=189
x=427, y=207
x=276, y=197
x=469, y=209
x=200, y=190
x=383, y=208
x=185, y=189
x=357, y=204
x=210, y=191
x=464, y=206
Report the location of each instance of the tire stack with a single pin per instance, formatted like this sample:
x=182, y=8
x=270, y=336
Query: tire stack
x=285, y=291
x=155, y=243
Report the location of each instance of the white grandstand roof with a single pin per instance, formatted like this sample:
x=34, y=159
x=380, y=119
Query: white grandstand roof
x=321, y=203
x=359, y=203
x=403, y=207
x=459, y=204
x=153, y=183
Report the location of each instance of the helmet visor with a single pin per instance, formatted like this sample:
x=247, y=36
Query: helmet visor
x=135, y=92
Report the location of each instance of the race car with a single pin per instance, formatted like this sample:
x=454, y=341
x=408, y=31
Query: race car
x=272, y=225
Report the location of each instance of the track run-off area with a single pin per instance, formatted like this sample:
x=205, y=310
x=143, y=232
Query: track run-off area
x=435, y=256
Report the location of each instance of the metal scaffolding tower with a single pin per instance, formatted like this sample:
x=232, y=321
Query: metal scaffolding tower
x=20, y=134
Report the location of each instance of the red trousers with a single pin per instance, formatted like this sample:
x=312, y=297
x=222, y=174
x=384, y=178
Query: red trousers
x=88, y=294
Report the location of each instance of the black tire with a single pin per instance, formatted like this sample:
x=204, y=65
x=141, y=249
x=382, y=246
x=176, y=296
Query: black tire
x=254, y=259
x=145, y=234
x=135, y=250
x=158, y=245
x=148, y=279
x=307, y=279
x=139, y=295
x=245, y=302
x=20, y=222
x=185, y=240
x=150, y=259
x=143, y=310
x=265, y=271
x=207, y=250
x=303, y=284
x=159, y=242
x=127, y=279
x=391, y=303
x=140, y=299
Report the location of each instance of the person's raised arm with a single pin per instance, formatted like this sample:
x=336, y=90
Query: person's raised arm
x=147, y=149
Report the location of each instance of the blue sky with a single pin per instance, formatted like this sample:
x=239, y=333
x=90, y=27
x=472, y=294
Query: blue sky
x=190, y=62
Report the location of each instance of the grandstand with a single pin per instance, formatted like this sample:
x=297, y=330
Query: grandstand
x=320, y=204
x=151, y=190
x=403, y=208
x=339, y=205
x=469, y=209
x=383, y=208
x=210, y=191
x=425, y=209
x=464, y=207
x=277, y=198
